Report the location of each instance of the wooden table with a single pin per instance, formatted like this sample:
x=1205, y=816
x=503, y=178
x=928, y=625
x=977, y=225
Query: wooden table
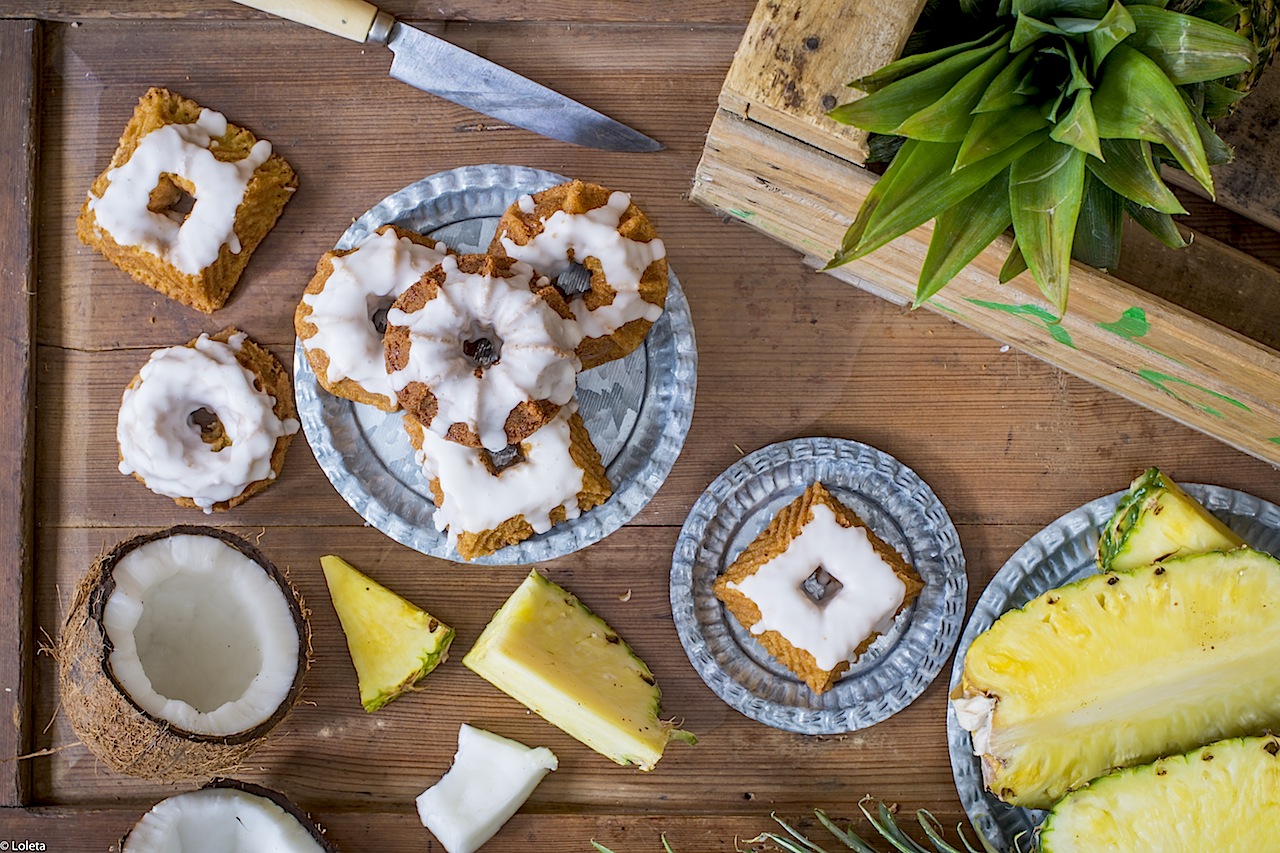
x=1007, y=443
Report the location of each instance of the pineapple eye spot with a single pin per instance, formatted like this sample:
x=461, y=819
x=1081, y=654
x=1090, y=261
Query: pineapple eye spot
x=821, y=587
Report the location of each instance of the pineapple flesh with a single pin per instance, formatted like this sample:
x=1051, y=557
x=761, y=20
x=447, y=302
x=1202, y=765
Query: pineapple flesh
x=1224, y=797
x=545, y=649
x=393, y=643
x=1155, y=520
x=1117, y=670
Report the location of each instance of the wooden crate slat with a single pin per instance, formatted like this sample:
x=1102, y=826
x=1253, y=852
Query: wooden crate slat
x=1115, y=335
x=18, y=51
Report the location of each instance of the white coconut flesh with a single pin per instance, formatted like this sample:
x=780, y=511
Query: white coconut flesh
x=202, y=637
x=219, y=820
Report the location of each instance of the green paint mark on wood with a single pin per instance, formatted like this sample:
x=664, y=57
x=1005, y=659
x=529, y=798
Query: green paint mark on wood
x=1162, y=381
x=741, y=214
x=1131, y=326
x=1275, y=440
x=1033, y=314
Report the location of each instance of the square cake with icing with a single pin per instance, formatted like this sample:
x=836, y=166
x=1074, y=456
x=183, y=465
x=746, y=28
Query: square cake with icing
x=173, y=148
x=487, y=501
x=817, y=587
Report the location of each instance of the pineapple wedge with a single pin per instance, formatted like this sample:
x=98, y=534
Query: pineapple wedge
x=1224, y=797
x=1119, y=669
x=545, y=649
x=1156, y=519
x=393, y=643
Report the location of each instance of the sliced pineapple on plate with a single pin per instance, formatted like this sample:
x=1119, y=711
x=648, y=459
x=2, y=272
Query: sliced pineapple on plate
x=545, y=649
x=1224, y=797
x=1155, y=520
x=1117, y=670
x=393, y=643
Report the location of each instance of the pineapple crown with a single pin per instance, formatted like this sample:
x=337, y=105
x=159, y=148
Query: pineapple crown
x=1052, y=118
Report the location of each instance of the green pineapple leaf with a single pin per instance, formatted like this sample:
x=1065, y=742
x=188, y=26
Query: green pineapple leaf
x=1128, y=168
x=885, y=109
x=1188, y=49
x=1115, y=26
x=1078, y=128
x=1046, y=187
x=1060, y=8
x=853, y=235
x=1097, y=237
x=1159, y=224
x=1216, y=151
x=1219, y=99
x=1014, y=265
x=1028, y=30
x=992, y=133
x=948, y=119
x=908, y=65
x=1006, y=90
x=1135, y=100
x=961, y=232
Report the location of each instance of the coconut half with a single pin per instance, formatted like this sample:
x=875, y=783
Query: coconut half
x=182, y=651
x=226, y=817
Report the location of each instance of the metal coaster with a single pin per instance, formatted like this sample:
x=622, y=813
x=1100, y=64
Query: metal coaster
x=897, y=505
x=1063, y=552
x=637, y=409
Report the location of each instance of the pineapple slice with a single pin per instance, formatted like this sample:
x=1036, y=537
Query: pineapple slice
x=1156, y=519
x=1224, y=797
x=392, y=642
x=1119, y=669
x=545, y=649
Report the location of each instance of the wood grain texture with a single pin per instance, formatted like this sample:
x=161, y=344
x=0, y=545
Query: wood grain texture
x=1008, y=442
x=1116, y=335
x=796, y=57
x=19, y=45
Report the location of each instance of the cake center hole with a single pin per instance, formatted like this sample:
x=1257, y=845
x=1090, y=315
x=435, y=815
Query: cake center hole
x=574, y=282
x=211, y=429
x=820, y=586
x=484, y=349
x=501, y=460
x=379, y=317
x=173, y=196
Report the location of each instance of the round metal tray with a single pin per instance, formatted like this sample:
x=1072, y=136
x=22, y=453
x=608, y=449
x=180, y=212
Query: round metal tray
x=1063, y=552
x=897, y=505
x=637, y=409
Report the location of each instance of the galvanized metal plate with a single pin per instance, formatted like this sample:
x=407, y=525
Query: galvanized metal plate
x=637, y=409
x=1063, y=552
x=897, y=505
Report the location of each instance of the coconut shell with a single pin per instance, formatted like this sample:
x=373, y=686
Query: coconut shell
x=110, y=724
x=288, y=806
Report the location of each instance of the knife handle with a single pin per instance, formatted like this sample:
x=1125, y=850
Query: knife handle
x=350, y=19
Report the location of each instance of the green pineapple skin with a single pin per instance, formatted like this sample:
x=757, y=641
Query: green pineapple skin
x=1224, y=798
x=1156, y=520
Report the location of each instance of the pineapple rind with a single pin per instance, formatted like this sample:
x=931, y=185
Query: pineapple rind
x=548, y=651
x=1156, y=520
x=1119, y=669
x=393, y=643
x=1224, y=797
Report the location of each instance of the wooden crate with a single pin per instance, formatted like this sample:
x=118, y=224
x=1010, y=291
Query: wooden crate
x=774, y=161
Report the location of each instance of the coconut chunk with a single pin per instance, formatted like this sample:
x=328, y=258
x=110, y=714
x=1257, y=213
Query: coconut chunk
x=225, y=820
x=489, y=781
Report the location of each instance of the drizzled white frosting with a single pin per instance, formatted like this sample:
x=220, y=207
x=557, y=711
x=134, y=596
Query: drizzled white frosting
x=830, y=630
x=536, y=359
x=594, y=234
x=476, y=500
x=160, y=443
x=362, y=283
x=182, y=150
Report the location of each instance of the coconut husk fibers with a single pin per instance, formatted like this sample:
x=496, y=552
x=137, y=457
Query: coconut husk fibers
x=119, y=733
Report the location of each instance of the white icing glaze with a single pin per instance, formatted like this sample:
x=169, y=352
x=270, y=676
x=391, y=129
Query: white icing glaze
x=536, y=360
x=833, y=629
x=476, y=500
x=182, y=150
x=363, y=282
x=159, y=442
x=594, y=234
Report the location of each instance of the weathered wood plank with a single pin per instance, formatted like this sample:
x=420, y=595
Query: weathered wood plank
x=19, y=49
x=795, y=59
x=1115, y=335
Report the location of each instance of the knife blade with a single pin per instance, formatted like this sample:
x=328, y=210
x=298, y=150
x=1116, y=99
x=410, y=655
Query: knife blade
x=446, y=70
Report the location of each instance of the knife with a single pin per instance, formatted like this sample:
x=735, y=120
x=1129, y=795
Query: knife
x=436, y=66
